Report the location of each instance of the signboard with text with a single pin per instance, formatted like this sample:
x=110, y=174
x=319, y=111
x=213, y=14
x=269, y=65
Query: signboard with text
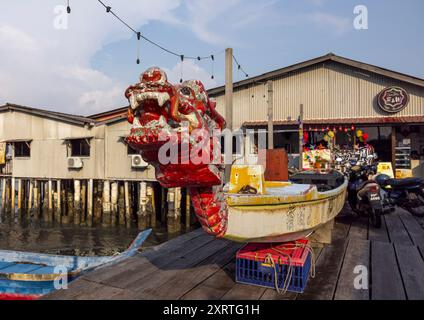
x=393, y=99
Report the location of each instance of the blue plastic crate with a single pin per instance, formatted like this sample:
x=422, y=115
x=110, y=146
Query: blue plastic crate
x=254, y=272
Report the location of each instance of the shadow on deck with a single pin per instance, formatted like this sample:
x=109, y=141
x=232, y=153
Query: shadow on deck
x=197, y=266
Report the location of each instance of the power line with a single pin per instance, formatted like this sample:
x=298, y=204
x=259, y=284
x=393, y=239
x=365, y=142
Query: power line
x=181, y=56
x=239, y=67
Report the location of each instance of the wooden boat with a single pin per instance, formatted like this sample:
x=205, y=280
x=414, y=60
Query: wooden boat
x=265, y=211
x=27, y=276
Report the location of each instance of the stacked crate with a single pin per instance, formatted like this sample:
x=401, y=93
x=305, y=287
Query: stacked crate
x=283, y=266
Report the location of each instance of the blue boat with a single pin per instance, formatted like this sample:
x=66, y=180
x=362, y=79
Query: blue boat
x=28, y=276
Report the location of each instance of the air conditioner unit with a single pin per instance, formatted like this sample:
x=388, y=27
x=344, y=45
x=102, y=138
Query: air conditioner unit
x=75, y=163
x=138, y=162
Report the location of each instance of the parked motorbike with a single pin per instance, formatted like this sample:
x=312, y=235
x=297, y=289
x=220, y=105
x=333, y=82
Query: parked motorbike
x=405, y=193
x=364, y=194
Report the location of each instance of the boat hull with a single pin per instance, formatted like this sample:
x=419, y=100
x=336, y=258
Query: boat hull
x=285, y=221
x=28, y=276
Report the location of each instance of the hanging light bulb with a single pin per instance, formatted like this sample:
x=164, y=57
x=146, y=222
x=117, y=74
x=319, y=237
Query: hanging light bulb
x=213, y=66
x=68, y=8
x=138, y=47
x=182, y=61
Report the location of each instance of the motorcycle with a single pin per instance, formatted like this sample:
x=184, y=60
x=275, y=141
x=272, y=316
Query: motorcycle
x=364, y=194
x=405, y=193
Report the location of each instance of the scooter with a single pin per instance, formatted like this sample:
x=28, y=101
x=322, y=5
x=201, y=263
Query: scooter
x=405, y=193
x=364, y=194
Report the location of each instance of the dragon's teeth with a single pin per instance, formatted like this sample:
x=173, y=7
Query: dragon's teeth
x=162, y=98
x=133, y=101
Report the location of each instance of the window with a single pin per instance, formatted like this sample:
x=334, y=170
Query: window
x=22, y=149
x=131, y=151
x=80, y=148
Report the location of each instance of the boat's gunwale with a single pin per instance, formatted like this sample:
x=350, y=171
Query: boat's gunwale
x=322, y=197
x=38, y=277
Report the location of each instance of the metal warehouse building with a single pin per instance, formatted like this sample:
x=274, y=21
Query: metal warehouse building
x=339, y=94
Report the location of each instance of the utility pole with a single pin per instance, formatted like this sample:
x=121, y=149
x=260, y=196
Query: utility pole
x=301, y=137
x=270, y=85
x=228, y=104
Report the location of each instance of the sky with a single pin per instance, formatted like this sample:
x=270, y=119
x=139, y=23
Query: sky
x=81, y=63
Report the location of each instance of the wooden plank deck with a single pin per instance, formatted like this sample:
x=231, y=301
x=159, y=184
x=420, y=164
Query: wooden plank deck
x=198, y=267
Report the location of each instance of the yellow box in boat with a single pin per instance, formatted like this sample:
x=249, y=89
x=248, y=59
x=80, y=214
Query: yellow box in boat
x=247, y=178
x=249, y=188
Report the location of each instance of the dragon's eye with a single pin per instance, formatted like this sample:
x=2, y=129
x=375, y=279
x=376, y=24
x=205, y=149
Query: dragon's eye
x=185, y=91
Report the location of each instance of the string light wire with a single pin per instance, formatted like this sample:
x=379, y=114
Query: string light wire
x=181, y=56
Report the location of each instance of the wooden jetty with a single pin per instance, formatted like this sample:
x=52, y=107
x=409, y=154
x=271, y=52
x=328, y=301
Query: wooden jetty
x=197, y=266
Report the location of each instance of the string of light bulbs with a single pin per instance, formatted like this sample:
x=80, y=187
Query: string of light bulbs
x=182, y=57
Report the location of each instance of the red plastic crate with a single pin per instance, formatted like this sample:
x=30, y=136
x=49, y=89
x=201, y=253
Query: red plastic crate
x=251, y=266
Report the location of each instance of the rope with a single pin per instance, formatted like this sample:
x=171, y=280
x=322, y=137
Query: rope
x=270, y=260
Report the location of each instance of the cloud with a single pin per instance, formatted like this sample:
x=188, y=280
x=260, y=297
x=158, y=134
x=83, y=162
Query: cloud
x=337, y=24
x=218, y=22
x=190, y=71
x=42, y=66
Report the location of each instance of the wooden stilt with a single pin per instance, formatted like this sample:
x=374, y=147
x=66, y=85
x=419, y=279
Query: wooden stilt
x=36, y=201
x=77, y=202
x=58, y=208
x=177, y=209
x=90, y=203
x=70, y=202
x=8, y=196
x=127, y=205
x=163, y=205
x=45, y=190
x=174, y=210
x=50, y=200
x=63, y=201
x=98, y=202
x=106, y=203
x=188, y=211
x=152, y=205
x=121, y=204
x=83, y=202
x=114, y=202
x=19, y=196
x=30, y=193
x=12, y=189
x=3, y=193
x=142, y=206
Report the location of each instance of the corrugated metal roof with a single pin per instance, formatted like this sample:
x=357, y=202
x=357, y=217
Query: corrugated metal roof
x=329, y=57
x=80, y=120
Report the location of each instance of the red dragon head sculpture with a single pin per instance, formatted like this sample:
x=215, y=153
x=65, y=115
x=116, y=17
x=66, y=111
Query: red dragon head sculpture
x=158, y=113
x=172, y=118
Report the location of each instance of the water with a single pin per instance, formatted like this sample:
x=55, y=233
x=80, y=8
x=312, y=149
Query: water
x=42, y=237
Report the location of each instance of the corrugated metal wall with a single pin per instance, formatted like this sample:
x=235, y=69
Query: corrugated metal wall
x=328, y=91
